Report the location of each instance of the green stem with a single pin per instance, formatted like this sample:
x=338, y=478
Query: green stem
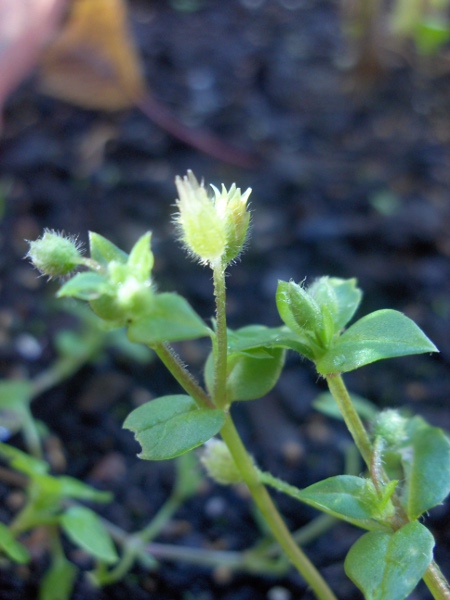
x=436, y=582
x=174, y=365
x=354, y=424
x=270, y=513
x=221, y=349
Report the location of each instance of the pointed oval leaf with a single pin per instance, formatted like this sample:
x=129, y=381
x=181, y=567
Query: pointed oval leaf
x=172, y=425
x=141, y=257
x=58, y=581
x=345, y=496
x=348, y=298
x=11, y=547
x=84, y=286
x=170, y=319
x=426, y=464
x=297, y=308
x=86, y=530
x=382, y=334
x=103, y=251
x=74, y=488
x=23, y=462
x=388, y=566
x=259, y=336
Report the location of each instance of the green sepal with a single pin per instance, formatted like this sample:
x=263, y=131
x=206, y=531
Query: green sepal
x=86, y=530
x=85, y=286
x=11, y=547
x=170, y=319
x=172, y=425
x=58, y=581
x=250, y=374
x=388, y=566
x=425, y=457
x=381, y=334
x=103, y=251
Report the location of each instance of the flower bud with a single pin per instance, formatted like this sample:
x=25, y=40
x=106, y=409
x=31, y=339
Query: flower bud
x=219, y=463
x=212, y=229
x=54, y=254
x=390, y=426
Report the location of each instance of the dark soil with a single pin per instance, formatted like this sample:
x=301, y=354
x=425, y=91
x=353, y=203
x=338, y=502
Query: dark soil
x=351, y=181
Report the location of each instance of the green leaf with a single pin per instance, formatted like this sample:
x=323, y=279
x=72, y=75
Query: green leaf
x=20, y=461
x=170, y=319
x=381, y=334
x=259, y=336
x=341, y=295
x=11, y=547
x=172, y=425
x=251, y=374
x=425, y=459
x=15, y=398
x=326, y=404
x=347, y=497
x=298, y=309
x=58, y=581
x=141, y=258
x=388, y=566
x=84, y=286
x=103, y=251
x=76, y=489
x=86, y=530
x=431, y=33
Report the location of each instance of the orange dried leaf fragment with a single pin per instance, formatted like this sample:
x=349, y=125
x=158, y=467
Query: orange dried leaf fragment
x=93, y=63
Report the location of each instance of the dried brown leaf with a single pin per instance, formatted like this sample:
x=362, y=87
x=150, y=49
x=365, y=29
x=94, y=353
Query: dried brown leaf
x=93, y=63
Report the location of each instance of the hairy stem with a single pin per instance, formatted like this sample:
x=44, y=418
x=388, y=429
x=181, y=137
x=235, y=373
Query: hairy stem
x=354, y=424
x=270, y=513
x=221, y=346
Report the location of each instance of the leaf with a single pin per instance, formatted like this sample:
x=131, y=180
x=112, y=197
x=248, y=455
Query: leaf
x=58, y=581
x=170, y=319
x=259, y=336
x=86, y=530
x=172, y=425
x=388, y=566
x=25, y=27
x=103, y=251
x=84, y=286
x=250, y=375
x=11, y=547
x=347, y=298
x=381, y=334
x=298, y=310
x=93, y=63
x=345, y=496
x=73, y=488
x=426, y=463
x=326, y=404
x=141, y=259
x=20, y=461
x=15, y=398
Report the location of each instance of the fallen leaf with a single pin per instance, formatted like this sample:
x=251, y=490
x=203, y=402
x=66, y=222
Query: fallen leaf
x=93, y=62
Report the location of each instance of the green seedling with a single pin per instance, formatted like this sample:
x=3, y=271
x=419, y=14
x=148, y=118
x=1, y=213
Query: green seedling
x=407, y=460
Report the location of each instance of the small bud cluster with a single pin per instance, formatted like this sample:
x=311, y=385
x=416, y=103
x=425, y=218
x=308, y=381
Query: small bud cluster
x=213, y=229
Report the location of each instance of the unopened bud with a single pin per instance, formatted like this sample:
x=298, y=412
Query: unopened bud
x=55, y=254
x=219, y=463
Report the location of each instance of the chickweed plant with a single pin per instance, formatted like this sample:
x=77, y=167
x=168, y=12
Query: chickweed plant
x=407, y=461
